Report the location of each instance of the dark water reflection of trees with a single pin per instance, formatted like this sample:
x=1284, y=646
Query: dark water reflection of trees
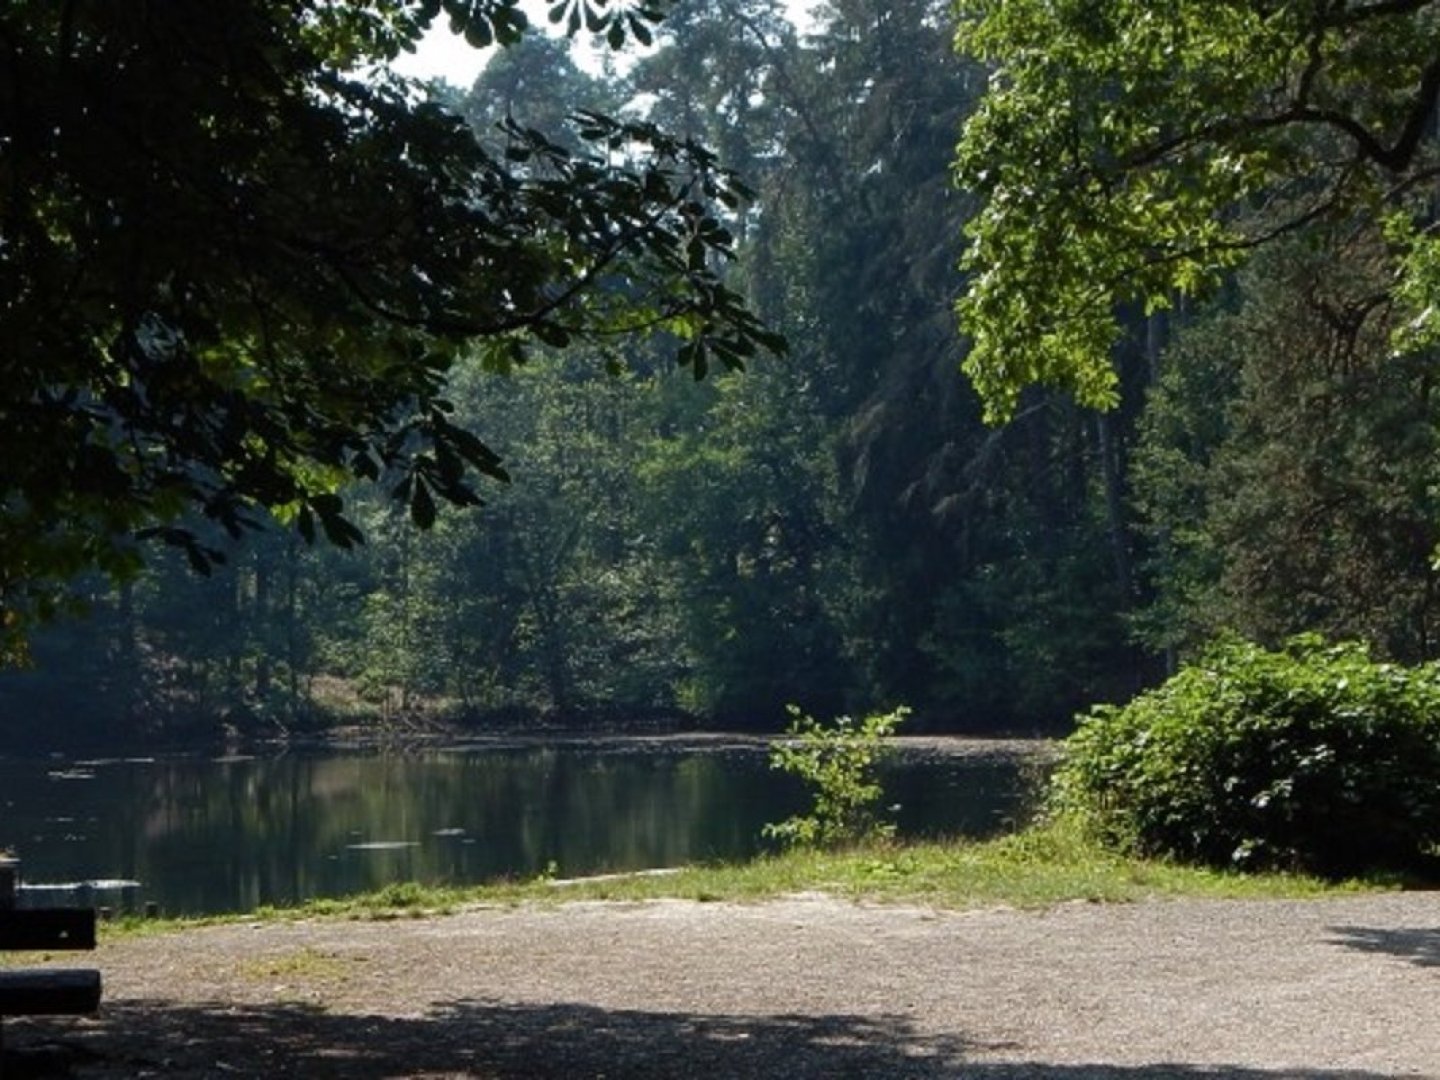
x=231, y=834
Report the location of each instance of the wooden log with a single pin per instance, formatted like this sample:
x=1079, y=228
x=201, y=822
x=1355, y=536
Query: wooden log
x=49, y=991
x=69, y=929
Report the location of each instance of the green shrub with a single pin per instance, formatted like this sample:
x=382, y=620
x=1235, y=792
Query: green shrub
x=1313, y=758
x=840, y=764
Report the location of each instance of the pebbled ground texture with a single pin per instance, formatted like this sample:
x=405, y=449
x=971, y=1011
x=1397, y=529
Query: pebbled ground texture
x=1337, y=989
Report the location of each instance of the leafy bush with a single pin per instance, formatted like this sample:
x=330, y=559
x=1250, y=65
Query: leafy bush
x=840, y=764
x=1313, y=758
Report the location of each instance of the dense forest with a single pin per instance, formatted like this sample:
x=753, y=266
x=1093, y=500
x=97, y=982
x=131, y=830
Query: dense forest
x=837, y=527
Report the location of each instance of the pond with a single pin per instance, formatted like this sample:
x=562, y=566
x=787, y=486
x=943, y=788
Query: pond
x=208, y=836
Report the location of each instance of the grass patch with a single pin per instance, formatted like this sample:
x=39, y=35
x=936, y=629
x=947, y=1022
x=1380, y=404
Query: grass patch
x=1038, y=867
x=403, y=900
x=304, y=965
x=1034, y=868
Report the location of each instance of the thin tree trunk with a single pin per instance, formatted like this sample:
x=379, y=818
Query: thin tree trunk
x=1116, y=525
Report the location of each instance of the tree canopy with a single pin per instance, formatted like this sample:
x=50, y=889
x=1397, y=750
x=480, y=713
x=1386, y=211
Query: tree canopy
x=1127, y=152
x=843, y=530
x=238, y=257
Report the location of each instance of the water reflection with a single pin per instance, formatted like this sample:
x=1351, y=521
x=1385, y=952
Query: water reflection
x=236, y=833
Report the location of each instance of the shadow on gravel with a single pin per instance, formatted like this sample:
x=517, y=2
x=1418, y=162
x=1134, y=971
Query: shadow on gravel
x=540, y=1042
x=1420, y=947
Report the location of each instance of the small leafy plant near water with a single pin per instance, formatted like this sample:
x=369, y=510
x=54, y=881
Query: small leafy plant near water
x=840, y=764
x=1312, y=758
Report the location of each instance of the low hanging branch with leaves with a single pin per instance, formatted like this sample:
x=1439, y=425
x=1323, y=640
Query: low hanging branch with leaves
x=240, y=256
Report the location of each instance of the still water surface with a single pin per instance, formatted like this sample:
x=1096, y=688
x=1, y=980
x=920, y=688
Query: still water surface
x=226, y=835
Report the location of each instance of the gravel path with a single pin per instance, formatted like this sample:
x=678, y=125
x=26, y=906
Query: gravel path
x=803, y=987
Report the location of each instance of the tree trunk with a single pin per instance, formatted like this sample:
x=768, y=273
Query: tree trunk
x=1116, y=524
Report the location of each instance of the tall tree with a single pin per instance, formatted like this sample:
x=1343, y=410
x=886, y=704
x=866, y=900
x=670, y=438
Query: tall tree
x=1287, y=471
x=964, y=529
x=744, y=507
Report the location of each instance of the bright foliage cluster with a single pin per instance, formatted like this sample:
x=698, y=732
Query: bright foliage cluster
x=1128, y=153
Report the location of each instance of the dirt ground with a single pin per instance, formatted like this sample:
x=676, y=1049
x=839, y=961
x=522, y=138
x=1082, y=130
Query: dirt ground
x=802, y=987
